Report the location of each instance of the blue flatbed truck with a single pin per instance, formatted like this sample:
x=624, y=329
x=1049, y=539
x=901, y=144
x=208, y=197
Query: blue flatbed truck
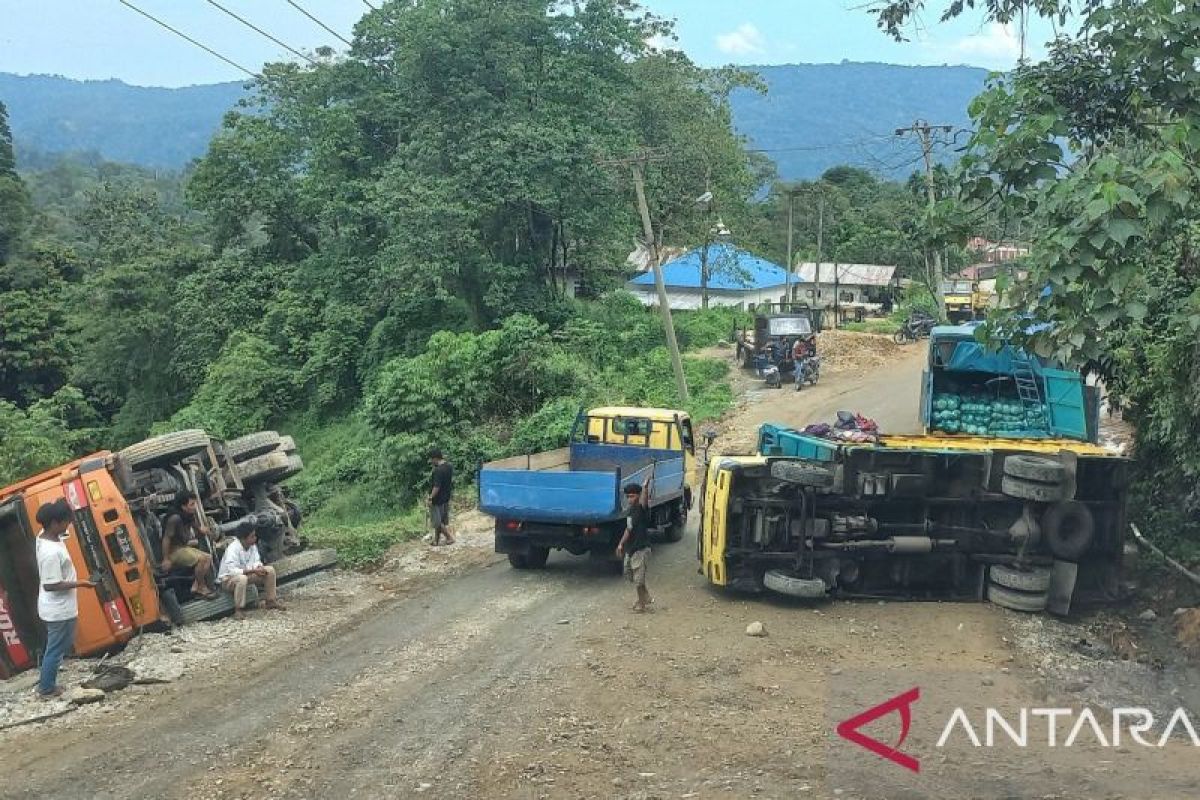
x=572, y=498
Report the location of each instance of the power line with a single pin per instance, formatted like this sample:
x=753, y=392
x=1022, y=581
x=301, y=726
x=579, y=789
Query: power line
x=185, y=37
x=368, y=5
x=254, y=27
x=297, y=6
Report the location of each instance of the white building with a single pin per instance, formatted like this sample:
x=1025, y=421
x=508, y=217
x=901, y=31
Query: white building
x=851, y=284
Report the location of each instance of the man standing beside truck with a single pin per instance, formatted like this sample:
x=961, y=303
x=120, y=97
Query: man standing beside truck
x=57, y=582
x=442, y=485
x=635, y=544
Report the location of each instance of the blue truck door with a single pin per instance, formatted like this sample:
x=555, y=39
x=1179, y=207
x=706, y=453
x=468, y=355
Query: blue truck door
x=1064, y=398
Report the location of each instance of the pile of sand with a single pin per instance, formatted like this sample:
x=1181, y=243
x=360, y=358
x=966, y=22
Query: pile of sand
x=843, y=350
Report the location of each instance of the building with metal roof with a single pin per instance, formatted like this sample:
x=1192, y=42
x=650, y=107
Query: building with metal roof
x=736, y=277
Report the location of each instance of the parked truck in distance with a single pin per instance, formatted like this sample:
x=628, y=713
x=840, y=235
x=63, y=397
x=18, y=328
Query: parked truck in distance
x=1011, y=500
x=572, y=498
x=776, y=325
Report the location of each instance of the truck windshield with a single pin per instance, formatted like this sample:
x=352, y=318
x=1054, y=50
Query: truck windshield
x=789, y=326
x=956, y=287
x=630, y=426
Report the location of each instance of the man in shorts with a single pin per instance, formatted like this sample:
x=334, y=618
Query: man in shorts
x=181, y=546
x=441, y=487
x=635, y=544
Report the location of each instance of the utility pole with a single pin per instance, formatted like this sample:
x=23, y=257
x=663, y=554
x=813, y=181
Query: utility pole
x=924, y=133
x=664, y=303
x=820, y=247
x=791, y=207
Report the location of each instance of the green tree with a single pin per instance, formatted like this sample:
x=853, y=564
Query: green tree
x=14, y=200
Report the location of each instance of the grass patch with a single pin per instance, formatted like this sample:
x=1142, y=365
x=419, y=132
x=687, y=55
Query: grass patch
x=363, y=544
x=884, y=327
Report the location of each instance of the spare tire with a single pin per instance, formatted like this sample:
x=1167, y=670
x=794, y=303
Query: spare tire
x=802, y=473
x=809, y=588
x=1035, y=468
x=1036, y=579
x=252, y=445
x=166, y=449
x=294, y=566
x=264, y=468
x=1030, y=490
x=1070, y=529
x=1030, y=602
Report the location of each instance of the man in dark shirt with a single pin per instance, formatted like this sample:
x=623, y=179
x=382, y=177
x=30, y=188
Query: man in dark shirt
x=442, y=484
x=181, y=545
x=635, y=544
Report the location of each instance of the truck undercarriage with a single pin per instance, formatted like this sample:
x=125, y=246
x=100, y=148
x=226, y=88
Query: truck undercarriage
x=907, y=523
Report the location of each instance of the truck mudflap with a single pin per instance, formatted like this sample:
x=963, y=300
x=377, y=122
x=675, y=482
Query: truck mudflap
x=15, y=655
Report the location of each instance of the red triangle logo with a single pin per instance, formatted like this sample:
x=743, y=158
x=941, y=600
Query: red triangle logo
x=901, y=703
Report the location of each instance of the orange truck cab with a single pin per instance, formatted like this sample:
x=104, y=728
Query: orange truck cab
x=105, y=547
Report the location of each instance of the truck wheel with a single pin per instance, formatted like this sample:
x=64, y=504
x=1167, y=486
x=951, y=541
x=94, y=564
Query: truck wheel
x=518, y=560
x=1036, y=579
x=295, y=467
x=678, y=524
x=198, y=610
x=809, y=588
x=1035, y=468
x=291, y=567
x=1014, y=600
x=1030, y=490
x=252, y=445
x=537, y=557
x=263, y=468
x=1069, y=528
x=166, y=449
x=802, y=473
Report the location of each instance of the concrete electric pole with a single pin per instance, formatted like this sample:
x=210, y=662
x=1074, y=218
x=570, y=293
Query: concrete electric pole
x=924, y=133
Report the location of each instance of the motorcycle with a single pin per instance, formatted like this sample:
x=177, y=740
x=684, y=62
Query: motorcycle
x=768, y=372
x=808, y=370
x=915, y=327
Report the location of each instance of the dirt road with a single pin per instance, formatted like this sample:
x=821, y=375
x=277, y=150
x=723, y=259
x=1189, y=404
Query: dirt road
x=505, y=684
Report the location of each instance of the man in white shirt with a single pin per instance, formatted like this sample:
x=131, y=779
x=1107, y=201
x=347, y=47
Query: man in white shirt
x=57, y=583
x=242, y=565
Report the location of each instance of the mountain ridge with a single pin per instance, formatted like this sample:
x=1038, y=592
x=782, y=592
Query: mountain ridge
x=814, y=116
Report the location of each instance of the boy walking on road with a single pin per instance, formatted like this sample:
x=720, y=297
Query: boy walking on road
x=442, y=481
x=57, y=605
x=635, y=544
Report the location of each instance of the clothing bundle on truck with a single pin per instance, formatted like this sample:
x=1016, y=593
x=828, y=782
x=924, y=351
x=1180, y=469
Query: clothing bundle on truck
x=572, y=498
x=119, y=502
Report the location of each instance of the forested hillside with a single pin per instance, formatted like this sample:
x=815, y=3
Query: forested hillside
x=814, y=116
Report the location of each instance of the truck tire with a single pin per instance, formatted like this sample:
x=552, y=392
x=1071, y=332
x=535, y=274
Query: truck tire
x=1035, y=468
x=518, y=560
x=291, y=567
x=263, y=468
x=287, y=444
x=537, y=557
x=252, y=445
x=678, y=524
x=1013, y=600
x=222, y=604
x=1030, y=490
x=295, y=466
x=809, y=588
x=166, y=449
x=1035, y=580
x=1069, y=528
x=802, y=473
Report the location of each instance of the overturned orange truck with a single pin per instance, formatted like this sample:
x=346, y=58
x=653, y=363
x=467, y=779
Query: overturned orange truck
x=118, y=501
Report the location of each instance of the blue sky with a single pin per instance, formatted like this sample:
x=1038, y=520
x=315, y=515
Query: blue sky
x=101, y=39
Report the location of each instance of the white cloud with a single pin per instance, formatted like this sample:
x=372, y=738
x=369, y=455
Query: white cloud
x=997, y=43
x=746, y=40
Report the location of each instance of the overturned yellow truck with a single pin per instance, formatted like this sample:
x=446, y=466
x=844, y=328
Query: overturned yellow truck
x=1006, y=496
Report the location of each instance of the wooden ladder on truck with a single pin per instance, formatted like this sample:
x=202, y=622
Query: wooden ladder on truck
x=1028, y=389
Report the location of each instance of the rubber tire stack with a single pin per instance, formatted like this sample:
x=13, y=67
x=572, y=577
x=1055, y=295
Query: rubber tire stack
x=1035, y=478
x=1019, y=589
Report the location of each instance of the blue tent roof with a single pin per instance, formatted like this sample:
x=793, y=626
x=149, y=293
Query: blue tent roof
x=729, y=268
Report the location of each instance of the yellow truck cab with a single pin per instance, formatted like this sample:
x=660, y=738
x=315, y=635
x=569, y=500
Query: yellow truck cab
x=656, y=428
x=959, y=295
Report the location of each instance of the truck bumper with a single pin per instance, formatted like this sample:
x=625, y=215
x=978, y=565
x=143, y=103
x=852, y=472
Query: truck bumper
x=572, y=538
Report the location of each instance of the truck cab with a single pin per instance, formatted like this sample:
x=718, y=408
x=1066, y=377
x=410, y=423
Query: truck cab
x=959, y=296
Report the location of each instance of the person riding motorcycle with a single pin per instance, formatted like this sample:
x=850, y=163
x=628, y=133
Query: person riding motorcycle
x=804, y=348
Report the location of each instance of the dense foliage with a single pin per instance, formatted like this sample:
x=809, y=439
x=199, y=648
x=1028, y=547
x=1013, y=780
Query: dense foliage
x=384, y=245
x=1098, y=146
